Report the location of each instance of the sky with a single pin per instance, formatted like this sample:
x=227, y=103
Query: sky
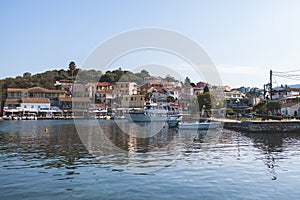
x=244, y=39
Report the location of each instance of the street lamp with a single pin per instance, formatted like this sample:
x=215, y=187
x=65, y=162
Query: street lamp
x=237, y=107
x=203, y=110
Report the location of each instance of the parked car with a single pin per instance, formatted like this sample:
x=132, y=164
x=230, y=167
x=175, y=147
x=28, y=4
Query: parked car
x=249, y=115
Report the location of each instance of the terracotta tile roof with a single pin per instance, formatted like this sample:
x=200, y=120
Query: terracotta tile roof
x=16, y=89
x=65, y=99
x=103, y=84
x=12, y=101
x=35, y=100
x=55, y=91
x=36, y=89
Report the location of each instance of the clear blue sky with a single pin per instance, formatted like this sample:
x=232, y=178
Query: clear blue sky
x=245, y=39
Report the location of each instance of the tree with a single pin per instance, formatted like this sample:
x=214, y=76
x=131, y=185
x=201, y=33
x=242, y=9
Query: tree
x=72, y=68
x=261, y=108
x=148, y=96
x=205, y=90
x=269, y=106
x=170, y=99
x=205, y=103
x=274, y=106
x=27, y=75
x=187, y=81
x=144, y=73
x=230, y=112
x=170, y=78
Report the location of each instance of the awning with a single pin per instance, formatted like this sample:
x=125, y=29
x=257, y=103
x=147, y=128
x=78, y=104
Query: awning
x=53, y=111
x=12, y=110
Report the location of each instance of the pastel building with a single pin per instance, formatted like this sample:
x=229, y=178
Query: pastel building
x=133, y=101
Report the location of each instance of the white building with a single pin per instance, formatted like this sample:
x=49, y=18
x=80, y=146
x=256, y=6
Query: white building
x=284, y=92
x=290, y=109
x=124, y=88
x=35, y=104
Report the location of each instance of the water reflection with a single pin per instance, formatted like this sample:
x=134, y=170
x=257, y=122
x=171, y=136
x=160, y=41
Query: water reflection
x=122, y=145
x=64, y=164
x=59, y=146
x=273, y=146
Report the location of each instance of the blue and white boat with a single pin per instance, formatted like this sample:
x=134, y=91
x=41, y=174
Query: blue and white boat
x=155, y=113
x=204, y=125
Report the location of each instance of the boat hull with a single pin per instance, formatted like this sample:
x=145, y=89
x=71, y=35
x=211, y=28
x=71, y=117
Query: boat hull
x=142, y=117
x=199, y=126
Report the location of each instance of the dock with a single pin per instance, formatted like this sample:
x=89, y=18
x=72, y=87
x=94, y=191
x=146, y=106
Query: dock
x=267, y=126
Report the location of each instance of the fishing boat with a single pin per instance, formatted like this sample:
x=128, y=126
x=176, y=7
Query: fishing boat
x=199, y=125
x=155, y=113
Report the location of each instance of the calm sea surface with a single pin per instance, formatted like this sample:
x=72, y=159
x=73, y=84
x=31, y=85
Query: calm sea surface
x=51, y=159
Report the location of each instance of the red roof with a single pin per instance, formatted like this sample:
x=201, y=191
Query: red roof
x=159, y=89
x=35, y=100
x=103, y=84
x=37, y=89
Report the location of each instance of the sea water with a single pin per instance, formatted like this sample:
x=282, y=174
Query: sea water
x=56, y=159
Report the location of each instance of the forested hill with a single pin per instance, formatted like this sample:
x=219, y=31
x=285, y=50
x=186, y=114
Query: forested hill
x=48, y=78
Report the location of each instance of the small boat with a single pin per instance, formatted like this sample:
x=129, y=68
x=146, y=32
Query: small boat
x=5, y=117
x=199, y=125
x=173, y=120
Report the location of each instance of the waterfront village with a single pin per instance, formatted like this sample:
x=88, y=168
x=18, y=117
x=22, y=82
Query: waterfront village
x=103, y=99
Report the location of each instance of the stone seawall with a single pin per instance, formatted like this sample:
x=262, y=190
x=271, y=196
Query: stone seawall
x=263, y=126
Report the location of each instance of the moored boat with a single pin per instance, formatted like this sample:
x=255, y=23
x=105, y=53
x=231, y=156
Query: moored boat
x=155, y=113
x=173, y=120
x=199, y=125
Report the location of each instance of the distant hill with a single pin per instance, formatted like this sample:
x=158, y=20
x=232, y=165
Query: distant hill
x=295, y=86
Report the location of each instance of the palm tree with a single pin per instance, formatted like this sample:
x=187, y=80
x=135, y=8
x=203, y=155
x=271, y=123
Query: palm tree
x=72, y=68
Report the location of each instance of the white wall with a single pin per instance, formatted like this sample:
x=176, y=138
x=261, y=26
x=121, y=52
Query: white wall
x=36, y=106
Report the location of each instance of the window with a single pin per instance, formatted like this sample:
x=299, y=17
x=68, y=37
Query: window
x=39, y=107
x=12, y=94
x=32, y=106
x=24, y=106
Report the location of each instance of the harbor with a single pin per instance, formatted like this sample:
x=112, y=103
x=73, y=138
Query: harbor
x=142, y=100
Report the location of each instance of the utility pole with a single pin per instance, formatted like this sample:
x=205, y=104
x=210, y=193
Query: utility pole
x=264, y=91
x=271, y=84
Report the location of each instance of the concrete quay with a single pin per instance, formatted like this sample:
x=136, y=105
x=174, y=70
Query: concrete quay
x=269, y=126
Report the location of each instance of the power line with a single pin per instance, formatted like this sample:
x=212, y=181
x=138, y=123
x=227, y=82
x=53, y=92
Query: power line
x=297, y=70
x=291, y=75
